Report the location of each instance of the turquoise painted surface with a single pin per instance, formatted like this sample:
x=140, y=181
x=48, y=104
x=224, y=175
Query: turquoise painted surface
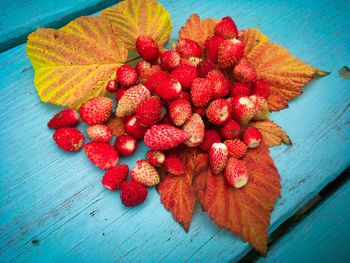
x=52, y=206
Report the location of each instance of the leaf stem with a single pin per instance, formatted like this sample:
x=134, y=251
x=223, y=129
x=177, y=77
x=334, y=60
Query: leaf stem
x=132, y=59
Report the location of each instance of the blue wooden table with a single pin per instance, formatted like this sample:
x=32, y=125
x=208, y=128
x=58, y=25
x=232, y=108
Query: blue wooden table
x=53, y=207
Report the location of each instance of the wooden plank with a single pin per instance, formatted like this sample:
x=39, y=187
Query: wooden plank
x=53, y=207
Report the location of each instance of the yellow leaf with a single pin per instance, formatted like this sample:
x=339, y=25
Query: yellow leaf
x=273, y=134
x=74, y=63
x=287, y=74
x=134, y=18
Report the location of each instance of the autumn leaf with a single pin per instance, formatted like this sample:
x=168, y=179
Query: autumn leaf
x=74, y=63
x=134, y=18
x=197, y=29
x=286, y=74
x=245, y=211
x=273, y=134
x=116, y=124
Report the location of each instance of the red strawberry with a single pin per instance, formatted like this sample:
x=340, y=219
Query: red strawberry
x=147, y=48
x=261, y=88
x=212, y=47
x=201, y=92
x=236, y=148
x=115, y=176
x=210, y=137
x=64, y=118
x=243, y=109
x=185, y=74
x=112, y=86
x=226, y=28
x=168, y=89
x=180, y=111
x=244, y=71
x=141, y=66
x=230, y=130
x=218, y=155
x=220, y=83
x=119, y=93
x=195, y=128
x=96, y=110
x=185, y=95
x=204, y=67
x=125, y=145
x=131, y=99
x=145, y=173
x=188, y=48
x=219, y=111
x=156, y=158
x=230, y=51
x=154, y=80
x=149, y=112
x=133, y=128
x=99, y=133
x=132, y=193
x=174, y=165
x=68, y=139
x=236, y=173
x=101, y=154
x=192, y=61
x=240, y=89
x=164, y=137
x=126, y=75
x=252, y=137
x=145, y=73
x=169, y=60
x=261, y=107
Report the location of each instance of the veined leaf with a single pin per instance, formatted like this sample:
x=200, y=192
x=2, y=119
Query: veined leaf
x=273, y=134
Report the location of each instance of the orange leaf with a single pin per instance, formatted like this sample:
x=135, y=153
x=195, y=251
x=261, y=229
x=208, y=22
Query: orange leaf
x=286, y=74
x=245, y=211
x=116, y=125
x=198, y=30
x=273, y=134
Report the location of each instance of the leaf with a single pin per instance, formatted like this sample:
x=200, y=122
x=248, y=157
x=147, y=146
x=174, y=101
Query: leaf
x=197, y=29
x=286, y=74
x=116, y=124
x=176, y=192
x=134, y=18
x=273, y=134
x=245, y=211
x=74, y=63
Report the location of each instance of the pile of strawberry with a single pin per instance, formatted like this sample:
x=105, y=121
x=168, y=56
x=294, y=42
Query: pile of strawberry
x=189, y=96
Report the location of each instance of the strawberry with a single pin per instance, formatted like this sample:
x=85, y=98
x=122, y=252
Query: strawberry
x=64, y=118
x=236, y=148
x=141, y=66
x=195, y=128
x=132, y=193
x=240, y=89
x=145, y=173
x=230, y=130
x=185, y=95
x=154, y=80
x=145, y=73
x=112, y=86
x=200, y=110
x=147, y=48
x=210, y=137
x=115, y=176
x=204, y=67
x=212, y=47
x=156, y=158
x=126, y=75
x=261, y=88
x=226, y=28
x=101, y=154
x=169, y=60
x=185, y=74
x=219, y=111
x=236, y=173
x=188, y=48
x=201, y=92
x=192, y=61
x=99, y=133
x=174, y=165
x=168, y=89
x=149, y=112
x=243, y=109
x=180, y=111
x=68, y=139
x=119, y=93
x=164, y=137
x=252, y=137
x=131, y=99
x=125, y=145
x=96, y=110
x=244, y=71
x=220, y=83
x=261, y=107
x=230, y=51
x=133, y=128
x=218, y=155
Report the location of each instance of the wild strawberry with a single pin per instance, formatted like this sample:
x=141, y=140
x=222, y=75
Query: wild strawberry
x=131, y=99
x=99, y=133
x=252, y=137
x=133, y=128
x=168, y=89
x=218, y=155
x=169, y=59
x=115, y=176
x=126, y=75
x=230, y=51
x=261, y=107
x=141, y=65
x=125, y=145
x=195, y=128
x=156, y=158
x=210, y=137
x=219, y=111
x=243, y=109
x=132, y=193
x=147, y=48
x=236, y=148
x=119, y=93
x=185, y=74
x=236, y=173
x=220, y=83
x=154, y=80
x=145, y=73
x=261, y=88
x=212, y=47
x=200, y=110
x=145, y=173
x=240, y=89
x=226, y=28
x=64, y=118
x=96, y=110
x=164, y=137
x=101, y=154
x=112, y=86
x=244, y=71
x=188, y=48
x=192, y=61
x=149, y=112
x=204, y=67
x=174, y=165
x=201, y=92
x=230, y=130
x=180, y=111
x=68, y=139
x=185, y=95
